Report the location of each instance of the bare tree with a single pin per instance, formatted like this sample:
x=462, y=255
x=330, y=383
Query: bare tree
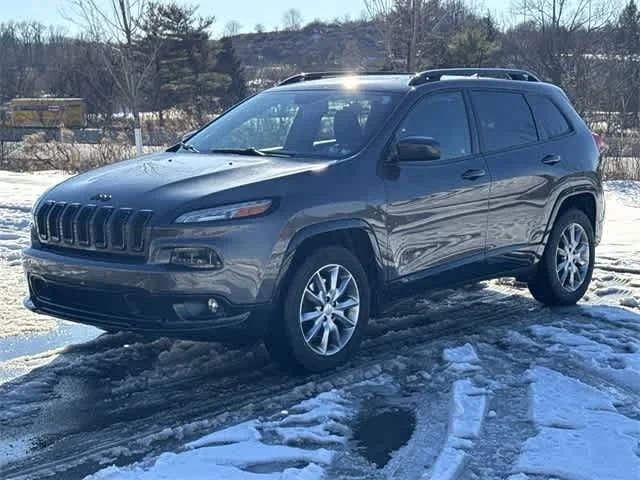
x=382, y=14
x=231, y=28
x=258, y=28
x=564, y=30
x=409, y=29
x=292, y=19
x=116, y=28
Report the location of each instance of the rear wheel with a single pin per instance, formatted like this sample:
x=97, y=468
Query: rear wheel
x=325, y=312
x=564, y=272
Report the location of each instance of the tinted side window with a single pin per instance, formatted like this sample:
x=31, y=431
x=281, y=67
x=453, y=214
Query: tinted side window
x=442, y=116
x=551, y=121
x=505, y=119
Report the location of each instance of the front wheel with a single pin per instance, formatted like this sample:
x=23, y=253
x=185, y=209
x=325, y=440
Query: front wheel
x=325, y=312
x=564, y=272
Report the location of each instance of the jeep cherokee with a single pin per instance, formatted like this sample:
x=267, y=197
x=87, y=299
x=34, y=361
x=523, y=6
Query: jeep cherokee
x=296, y=214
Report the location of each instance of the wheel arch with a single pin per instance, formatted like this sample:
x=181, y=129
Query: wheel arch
x=584, y=199
x=356, y=235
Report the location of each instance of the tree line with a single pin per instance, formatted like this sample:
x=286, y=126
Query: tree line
x=160, y=56
x=590, y=48
x=130, y=56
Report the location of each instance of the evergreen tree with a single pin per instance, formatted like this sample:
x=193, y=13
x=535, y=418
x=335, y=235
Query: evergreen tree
x=185, y=75
x=491, y=30
x=470, y=48
x=475, y=44
x=229, y=64
x=628, y=29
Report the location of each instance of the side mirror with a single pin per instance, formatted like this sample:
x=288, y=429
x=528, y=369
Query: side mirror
x=413, y=149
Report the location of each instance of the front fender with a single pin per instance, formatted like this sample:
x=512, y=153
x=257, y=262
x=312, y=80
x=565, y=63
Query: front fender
x=310, y=231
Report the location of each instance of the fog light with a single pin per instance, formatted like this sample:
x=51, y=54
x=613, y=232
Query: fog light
x=196, y=257
x=213, y=305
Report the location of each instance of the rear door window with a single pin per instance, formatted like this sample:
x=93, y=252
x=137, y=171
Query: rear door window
x=505, y=119
x=551, y=122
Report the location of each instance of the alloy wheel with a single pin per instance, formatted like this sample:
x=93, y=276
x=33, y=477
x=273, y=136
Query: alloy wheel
x=329, y=309
x=572, y=257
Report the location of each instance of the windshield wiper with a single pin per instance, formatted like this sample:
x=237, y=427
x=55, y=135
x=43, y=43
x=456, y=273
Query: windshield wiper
x=189, y=147
x=251, y=151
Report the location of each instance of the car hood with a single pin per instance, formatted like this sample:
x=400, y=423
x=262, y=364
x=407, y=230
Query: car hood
x=168, y=179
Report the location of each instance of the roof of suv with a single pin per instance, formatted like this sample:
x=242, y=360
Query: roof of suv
x=397, y=82
x=402, y=82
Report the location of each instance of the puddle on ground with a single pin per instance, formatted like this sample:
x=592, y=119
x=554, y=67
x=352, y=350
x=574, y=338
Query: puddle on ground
x=66, y=333
x=382, y=432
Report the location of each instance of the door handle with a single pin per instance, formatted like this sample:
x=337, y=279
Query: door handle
x=473, y=174
x=551, y=159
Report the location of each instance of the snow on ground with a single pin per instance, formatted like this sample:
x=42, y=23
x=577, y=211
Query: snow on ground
x=580, y=432
x=468, y=408
x=18, y=192
x=473, y=383
x=621, y=237
x=254, y=450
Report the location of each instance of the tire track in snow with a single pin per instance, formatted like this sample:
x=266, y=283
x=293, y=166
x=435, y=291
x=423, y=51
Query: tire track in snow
x=76, y=450
x=467, y=413
x=297, y=443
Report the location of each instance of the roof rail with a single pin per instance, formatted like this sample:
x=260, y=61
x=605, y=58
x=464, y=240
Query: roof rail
x=302, y=77
x=504, y=73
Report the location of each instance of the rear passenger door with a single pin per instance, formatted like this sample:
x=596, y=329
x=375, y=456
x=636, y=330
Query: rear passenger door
x=524, y=169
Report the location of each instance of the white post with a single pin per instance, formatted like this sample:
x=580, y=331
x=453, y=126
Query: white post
x=137, y=132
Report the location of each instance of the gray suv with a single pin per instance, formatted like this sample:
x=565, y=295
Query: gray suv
x=298, y=213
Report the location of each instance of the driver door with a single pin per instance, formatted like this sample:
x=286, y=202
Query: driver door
x=436, y=210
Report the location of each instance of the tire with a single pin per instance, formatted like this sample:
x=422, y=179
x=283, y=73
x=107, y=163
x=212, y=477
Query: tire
x=290, y=342
x=547, y=284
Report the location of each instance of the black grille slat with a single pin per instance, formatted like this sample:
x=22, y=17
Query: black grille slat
x=41, y=220
x=117, y=230
x=66, y=223
x=92, y=227
x=53, y=225
x=81, y=225
x=99, y=225
x=137, y=225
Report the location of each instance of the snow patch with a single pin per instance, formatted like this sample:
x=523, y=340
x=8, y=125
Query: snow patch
x=243, y=432
x=463, y=354
x=618, y=361
x=573, y=417
x=195, y=469
x=240, y=451
x=630, y=302
x=468, y=409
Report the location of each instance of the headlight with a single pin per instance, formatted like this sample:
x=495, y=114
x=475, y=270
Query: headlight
x=228, y=212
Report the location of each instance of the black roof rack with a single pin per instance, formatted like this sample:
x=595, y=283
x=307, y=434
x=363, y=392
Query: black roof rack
x=302, y=77
x=504, y=73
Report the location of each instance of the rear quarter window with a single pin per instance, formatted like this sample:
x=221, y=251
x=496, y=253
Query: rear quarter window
x=505, y=119
x=551, y=122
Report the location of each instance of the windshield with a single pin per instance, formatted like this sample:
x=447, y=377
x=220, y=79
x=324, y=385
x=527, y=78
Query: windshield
x=308, y=123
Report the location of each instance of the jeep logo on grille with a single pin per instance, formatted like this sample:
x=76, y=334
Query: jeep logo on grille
x=102, y=197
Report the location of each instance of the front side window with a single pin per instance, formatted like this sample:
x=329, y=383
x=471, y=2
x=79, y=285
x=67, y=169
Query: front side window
x=443, y=117
x=505, y=119
x=305, y=123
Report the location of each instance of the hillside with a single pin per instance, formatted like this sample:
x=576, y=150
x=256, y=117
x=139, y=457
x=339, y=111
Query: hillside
x=318, y=46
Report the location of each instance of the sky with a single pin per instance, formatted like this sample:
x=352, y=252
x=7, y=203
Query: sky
x=247, y=12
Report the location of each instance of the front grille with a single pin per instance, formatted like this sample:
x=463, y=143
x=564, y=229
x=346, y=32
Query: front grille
x=90, y=227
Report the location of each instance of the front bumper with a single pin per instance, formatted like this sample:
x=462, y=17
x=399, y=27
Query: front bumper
x=145, y=298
